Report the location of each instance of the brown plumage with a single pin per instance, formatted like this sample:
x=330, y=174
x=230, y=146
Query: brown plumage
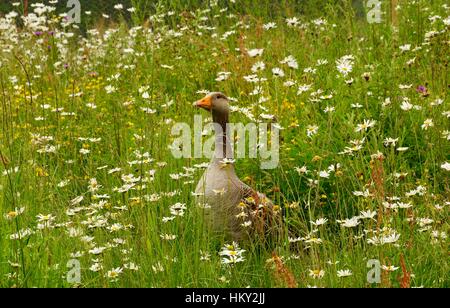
x=236, y=210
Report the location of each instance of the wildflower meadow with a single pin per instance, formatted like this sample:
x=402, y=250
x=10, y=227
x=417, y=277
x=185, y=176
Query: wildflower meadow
x=94, y=195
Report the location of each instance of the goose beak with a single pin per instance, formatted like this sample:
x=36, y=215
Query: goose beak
x=205, y=103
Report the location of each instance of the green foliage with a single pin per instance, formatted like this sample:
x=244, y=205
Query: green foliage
x=78, y=113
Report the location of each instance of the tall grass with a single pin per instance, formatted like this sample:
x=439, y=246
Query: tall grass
x=39, y=74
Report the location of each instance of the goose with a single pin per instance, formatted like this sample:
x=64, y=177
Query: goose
x=235, y=209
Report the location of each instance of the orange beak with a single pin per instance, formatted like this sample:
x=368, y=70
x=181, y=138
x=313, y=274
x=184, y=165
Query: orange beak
x=205, y=103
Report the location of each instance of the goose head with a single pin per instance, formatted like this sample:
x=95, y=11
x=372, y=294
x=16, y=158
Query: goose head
x=216, y=103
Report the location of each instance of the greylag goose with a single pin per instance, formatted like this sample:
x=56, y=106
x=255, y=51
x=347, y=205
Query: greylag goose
x=235, y=209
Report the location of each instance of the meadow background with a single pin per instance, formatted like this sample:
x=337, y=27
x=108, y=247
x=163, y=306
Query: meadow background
x=86, y=170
